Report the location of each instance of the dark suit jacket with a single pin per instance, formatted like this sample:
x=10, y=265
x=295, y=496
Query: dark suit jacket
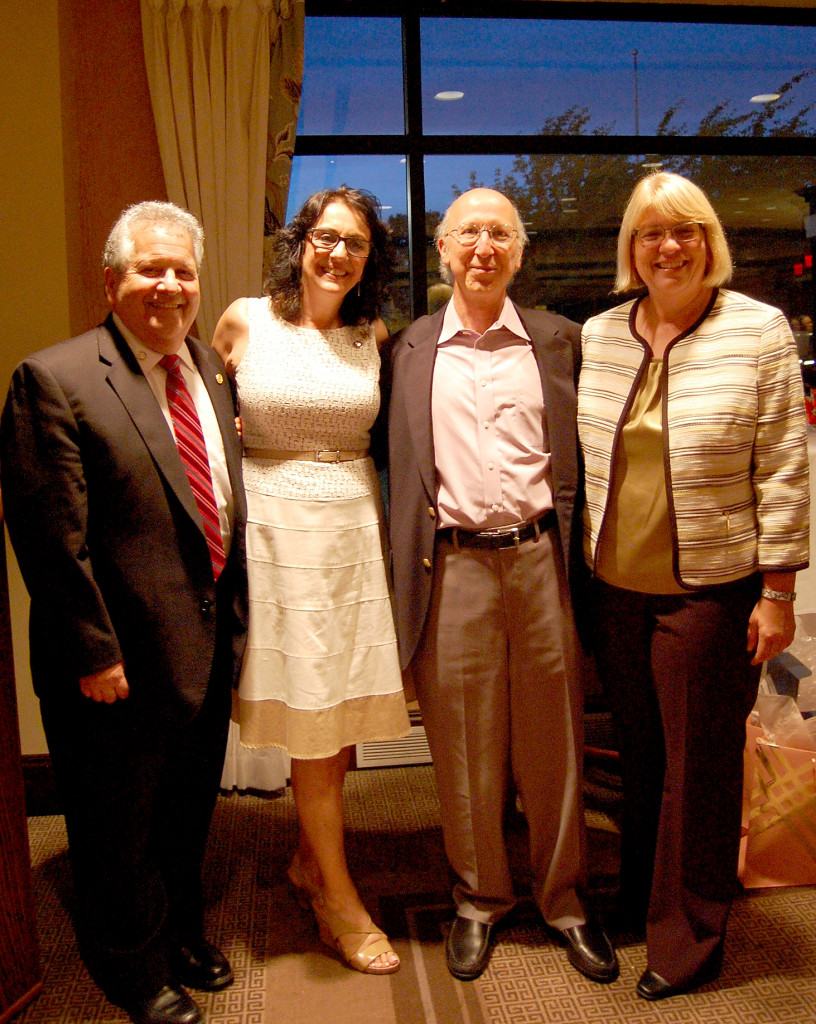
x=106, y=529
x=412, y=469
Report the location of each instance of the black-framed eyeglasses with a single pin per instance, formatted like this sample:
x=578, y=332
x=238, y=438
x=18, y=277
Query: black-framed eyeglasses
x=327, y=240
x=651, y=237
x=501, y=235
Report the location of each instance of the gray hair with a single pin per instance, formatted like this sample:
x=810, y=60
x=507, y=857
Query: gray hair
x=119, y=246
x=444, y=226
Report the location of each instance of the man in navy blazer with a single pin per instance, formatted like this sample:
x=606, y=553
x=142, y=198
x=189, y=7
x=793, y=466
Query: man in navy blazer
x=136, y=630
x=484, y=482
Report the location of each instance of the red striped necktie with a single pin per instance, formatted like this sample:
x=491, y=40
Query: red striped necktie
x=193, y=452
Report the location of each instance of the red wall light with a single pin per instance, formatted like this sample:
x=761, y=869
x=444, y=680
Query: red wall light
x=798, y=269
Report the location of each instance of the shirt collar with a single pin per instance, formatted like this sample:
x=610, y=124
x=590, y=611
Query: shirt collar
x=508, y=320
x=148, y=358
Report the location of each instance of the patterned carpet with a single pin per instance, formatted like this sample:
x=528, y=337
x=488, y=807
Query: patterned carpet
x=285, y=976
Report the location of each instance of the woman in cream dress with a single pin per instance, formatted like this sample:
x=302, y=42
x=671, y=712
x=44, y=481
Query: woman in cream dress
x=321, y=670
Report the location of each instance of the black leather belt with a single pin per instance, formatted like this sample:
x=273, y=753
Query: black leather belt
x=502, y=536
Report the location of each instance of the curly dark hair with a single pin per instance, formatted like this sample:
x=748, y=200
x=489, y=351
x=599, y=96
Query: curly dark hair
x=283, y=283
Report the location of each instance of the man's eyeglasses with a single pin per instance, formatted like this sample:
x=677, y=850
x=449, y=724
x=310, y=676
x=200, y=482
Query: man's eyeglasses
x=327, y=240
x=650, y=238
x=501, y=235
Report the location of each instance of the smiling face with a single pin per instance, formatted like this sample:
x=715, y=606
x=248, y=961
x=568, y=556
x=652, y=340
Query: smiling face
x=672, y=271
x=482, y=271
x=157, y=294
x=327, y=276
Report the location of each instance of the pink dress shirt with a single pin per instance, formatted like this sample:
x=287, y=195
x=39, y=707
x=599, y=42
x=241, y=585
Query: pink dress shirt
x=489, y=425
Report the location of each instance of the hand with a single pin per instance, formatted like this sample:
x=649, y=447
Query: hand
x=770, y=629
x=109, y=685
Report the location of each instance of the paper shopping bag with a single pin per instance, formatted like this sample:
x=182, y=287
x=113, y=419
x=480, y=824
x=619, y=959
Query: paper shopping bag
x=779, y=841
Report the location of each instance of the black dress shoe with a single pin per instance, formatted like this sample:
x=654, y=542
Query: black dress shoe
x=652, y=987
x=200, y=965
x=468, y=948
x=169, y=1006
x=590, y=951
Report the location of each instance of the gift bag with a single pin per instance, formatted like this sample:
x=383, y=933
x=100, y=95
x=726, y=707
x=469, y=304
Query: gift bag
x=779, y=815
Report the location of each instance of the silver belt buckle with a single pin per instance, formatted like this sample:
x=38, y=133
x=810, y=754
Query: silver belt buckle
x=500, y=532
x=327, y=456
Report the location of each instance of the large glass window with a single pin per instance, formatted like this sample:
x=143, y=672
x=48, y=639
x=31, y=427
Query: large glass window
x=572, y=204
x=352, y=83
x=521, y=76
x=564, y=114
x=382, y=175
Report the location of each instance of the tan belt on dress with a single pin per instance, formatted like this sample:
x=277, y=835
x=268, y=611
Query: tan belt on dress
x=288, y=454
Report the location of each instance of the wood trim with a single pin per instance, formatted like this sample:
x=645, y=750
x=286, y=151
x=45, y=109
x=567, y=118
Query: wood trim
x=664, y=10
x=20, y=970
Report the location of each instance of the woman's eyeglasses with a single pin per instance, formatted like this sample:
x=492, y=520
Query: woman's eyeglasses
x=650, y=238
x=327, y=240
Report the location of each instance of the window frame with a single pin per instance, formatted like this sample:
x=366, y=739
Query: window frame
x=414, y=145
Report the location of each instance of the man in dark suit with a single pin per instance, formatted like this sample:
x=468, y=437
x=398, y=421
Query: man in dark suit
x=484, y=478
x=134, y=558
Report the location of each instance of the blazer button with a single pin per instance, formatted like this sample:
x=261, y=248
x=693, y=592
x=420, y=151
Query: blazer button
x=426, y=562
x=432, y=512
x=206, y=606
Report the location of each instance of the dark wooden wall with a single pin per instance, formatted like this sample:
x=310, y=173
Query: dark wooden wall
x=110, y=149
x=20, y=974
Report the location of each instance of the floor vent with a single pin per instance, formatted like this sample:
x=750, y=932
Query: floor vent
x=412, y=749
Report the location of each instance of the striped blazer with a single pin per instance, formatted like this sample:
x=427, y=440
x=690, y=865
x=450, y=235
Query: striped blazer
x=734, y=436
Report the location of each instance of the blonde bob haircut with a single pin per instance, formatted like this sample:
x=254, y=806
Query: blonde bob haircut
x=675, y=198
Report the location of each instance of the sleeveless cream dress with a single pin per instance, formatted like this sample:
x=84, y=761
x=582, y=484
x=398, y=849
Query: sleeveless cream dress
x=321, y=670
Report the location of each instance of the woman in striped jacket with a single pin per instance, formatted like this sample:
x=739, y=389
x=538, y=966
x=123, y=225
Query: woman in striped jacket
x=691, y=420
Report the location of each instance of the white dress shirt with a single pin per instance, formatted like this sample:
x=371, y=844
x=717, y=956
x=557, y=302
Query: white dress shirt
x=156, y=377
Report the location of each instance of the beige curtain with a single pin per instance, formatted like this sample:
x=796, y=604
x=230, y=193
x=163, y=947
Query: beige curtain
x=225, y=80
x=286, y=81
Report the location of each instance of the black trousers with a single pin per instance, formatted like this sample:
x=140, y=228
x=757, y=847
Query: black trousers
x=681, y=686
x=138, y=789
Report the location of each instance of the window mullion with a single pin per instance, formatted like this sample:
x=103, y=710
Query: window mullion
x=415, y=164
